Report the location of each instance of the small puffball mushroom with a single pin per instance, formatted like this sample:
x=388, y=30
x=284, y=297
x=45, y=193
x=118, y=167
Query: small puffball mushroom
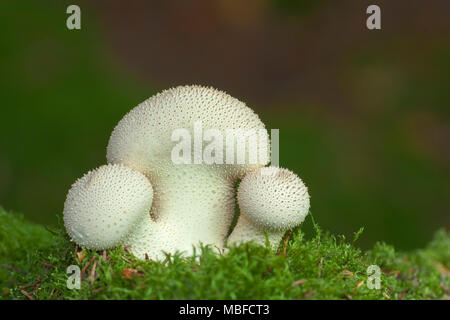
x=106, y=205
x=270, y=199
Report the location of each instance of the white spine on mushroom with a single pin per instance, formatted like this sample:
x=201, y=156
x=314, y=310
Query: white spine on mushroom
x=270, y=199
x=193, y=203
x=105, y=206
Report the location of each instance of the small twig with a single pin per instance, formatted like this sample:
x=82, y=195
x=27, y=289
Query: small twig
x=403, y=295
x=286, y=242
x=92, y=273
x=48, y=265
x=86, y=266
x=7, y=266
x=321, y=263
x=75, y=252
x=167, y=259
x=320, y=267
x=126, y=260
x=26, y=294
x=33, y=285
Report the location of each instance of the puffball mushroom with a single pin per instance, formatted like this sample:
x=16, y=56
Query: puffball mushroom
x=193, y=203
x=270, y=199
x=153, y=205
x=104, y=206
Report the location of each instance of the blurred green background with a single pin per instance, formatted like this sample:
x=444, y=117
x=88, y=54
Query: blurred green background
x=363, y=115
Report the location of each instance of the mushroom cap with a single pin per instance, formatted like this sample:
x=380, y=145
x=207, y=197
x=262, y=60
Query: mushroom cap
x=142, y=140
x=105, y=205
x=273, y=198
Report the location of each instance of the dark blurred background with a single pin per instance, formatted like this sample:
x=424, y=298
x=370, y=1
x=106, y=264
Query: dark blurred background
x=363, y=115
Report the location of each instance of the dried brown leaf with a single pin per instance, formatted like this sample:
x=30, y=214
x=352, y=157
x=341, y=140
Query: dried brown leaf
x=128, y=273
x=298, y=282
x=360, y=284
x=347, y=273
x=80, y=256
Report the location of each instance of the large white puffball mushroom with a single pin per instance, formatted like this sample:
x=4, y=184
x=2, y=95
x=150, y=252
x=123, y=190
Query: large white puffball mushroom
x=270, y=199
x=193, y=202
x=106, y=205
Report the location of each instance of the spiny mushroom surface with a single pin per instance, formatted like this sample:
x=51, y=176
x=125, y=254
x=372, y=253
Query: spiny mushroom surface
x=192, y=203
x=106, y=205
x=270, y=199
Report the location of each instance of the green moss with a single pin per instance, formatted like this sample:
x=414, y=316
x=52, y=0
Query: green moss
x=34, y=262
x=20, y=243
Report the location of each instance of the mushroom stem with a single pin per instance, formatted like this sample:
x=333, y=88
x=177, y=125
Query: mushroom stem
x=191, y=206
x=245, y=230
